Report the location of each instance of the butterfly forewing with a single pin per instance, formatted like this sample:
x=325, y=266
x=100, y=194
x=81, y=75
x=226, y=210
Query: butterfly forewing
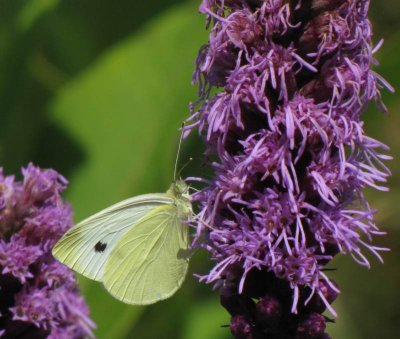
x=150, y=261
x=86, y=247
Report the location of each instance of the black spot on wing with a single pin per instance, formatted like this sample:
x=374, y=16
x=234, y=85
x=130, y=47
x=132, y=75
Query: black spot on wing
x=100, y=247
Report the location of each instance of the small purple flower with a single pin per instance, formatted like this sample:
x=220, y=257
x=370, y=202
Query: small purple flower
x=291, y=158
x=39, y=296
x=16, y=257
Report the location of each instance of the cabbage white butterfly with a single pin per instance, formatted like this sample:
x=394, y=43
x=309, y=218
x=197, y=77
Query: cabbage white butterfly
x=138, y=248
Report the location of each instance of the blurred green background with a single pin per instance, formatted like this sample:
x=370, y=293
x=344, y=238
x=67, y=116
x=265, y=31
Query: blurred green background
x=98, y=89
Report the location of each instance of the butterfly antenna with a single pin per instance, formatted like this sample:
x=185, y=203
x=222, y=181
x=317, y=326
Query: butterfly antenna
x=184, y=166
x=179, y=150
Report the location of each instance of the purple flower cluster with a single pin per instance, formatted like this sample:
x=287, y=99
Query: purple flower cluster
x=39, y=297
x=290, y=156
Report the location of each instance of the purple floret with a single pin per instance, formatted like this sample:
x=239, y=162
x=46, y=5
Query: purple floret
x=39, y=296
x=290, y=156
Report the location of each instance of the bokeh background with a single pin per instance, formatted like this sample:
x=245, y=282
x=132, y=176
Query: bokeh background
x=97, y=89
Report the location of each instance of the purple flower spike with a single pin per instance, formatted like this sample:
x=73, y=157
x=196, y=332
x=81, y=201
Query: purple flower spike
x=39, y=296
x=291, y=159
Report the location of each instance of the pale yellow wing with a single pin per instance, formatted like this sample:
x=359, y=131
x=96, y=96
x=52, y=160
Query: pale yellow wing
x=86, y=247
x=150, y=261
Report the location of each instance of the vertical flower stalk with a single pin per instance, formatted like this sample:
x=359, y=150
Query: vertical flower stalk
x=39, y=296
x=290, y=156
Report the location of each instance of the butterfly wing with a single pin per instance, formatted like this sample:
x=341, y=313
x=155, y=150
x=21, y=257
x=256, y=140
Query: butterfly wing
x=150, y=261
x=86, y=247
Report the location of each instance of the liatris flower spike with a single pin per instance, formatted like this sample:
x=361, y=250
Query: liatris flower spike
x=39, y=296
x=291, y=158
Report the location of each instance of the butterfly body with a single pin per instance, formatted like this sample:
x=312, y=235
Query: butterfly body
x=138, y=248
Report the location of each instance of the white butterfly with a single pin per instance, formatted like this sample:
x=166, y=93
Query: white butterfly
x=138, y=248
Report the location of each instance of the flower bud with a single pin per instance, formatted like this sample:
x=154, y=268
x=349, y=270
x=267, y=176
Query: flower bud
x=241, y=327
x=269, y=311
x=311, y=326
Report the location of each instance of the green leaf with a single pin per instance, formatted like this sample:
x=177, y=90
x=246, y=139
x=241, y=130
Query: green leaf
x=125, y=111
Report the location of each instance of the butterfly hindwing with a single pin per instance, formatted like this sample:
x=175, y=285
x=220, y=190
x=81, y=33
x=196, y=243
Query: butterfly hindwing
x=150, y=261
x=86, y=247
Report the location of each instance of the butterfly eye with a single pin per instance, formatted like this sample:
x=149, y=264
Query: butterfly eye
x=180, y=187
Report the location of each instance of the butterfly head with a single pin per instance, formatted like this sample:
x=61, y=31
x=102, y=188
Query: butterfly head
x=180, y=189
